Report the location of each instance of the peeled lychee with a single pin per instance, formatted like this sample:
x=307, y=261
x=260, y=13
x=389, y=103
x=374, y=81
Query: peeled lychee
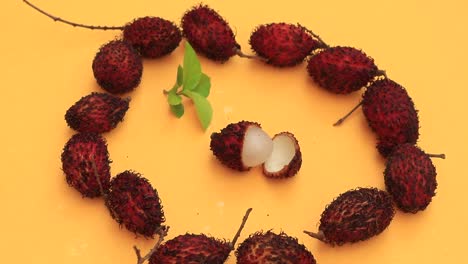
x=354, y=216
x=192, y=249
x=153, y=37
x=283, y=44
x=268, y=247
x=135, y=203
x=209, y=33
x=410, y=177
x=286, y=157
x=342, y=70
x=241, y=145
x=96, y=112
x=118, y=67
x=391, y=114
x=85, y=159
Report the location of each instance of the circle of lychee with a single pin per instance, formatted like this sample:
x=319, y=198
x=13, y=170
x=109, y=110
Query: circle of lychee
x=132, y=200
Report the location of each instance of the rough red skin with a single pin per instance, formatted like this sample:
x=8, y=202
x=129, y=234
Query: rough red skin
x=135, y=203
x=294, y=165
x=227, y=145
x=77, y=157
x=192, y=249
x=341, y=70
x=96, y=112
x=153, y=37
x=283, y=44
x=356, y=215
x=209, y=34
x=263, y=248
x=410, y=177
x=118, y=67
x=391, y=114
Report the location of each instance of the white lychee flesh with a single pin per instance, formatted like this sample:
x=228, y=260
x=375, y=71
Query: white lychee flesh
x=257, y=147
x=284, y=151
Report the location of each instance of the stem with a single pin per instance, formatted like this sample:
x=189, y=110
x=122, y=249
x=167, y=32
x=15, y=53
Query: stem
x=244, y=220
x=103, y=192
x=324, y=44
x=243, y=55
x=69, y=22
x=440, y=156
x=318, y=235
x=347, y=115
x=162, y=232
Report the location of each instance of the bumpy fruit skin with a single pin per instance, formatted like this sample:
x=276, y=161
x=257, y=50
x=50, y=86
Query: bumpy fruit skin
x=227, y=145
x=209, y=33
x=410, y=177
x=391, y=114
x=135, y=203
x=96, y=112
x=192, y=249
x=118, y=67
x=356, y=215
x=263, y=248
x=283, y=44
x=341, y=70
x=153, y=37
x=294, y=165
x=78, y=156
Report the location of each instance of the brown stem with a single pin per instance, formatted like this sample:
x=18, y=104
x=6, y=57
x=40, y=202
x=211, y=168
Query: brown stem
x=347, y=115
x=318, y=235
x=440, y=156
x=103, y=192
x=69, y=22
x=324, y=44
x=244, y=220
x=243, y=55
x=161, y=232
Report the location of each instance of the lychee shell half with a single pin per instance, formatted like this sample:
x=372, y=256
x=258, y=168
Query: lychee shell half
x=286, y=157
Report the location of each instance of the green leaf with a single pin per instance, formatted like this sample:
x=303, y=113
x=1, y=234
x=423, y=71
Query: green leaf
x=203, y=86
x=180, y=76
x=173, y=98
x=178, y=110
x=203, y=107
x=191, y=69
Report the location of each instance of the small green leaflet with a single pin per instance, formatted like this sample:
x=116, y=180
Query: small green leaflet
x=191, y=82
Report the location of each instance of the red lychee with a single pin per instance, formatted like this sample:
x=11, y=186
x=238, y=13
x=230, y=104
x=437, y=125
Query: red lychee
x=135, y=203
x=268, y=247
x=209, y=33
x=341, y=70
x=283, y=44
x=354, y=216
x=153, y=37
x=96, y=112
x=410, y=177
x=241, y=145
x=391, y=114
x=85, y=159
x=118, y=67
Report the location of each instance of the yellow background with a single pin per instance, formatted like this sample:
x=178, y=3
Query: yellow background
x=46, y=67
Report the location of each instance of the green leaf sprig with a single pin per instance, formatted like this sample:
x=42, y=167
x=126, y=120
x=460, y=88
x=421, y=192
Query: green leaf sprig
x=192, y=83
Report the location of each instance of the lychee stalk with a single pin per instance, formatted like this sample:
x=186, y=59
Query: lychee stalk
x=101, y=189
x=72, y=23
x=439, y=156
x=161, y=232
x=244, y=220
x=319, y=235
x=337, y=123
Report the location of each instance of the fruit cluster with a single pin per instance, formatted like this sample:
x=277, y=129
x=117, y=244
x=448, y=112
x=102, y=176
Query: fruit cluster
x=355, y=215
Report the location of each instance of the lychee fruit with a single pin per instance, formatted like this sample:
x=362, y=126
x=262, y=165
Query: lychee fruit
x=391, y=114
x=135, y=204
x=85, y=162
x=153, y=37
x=355, y=215
x=286, y=157
x=196, y=248
x=118, y=67
x=282, y=44
x=410, y=178
x=209, y=33
x=268, y=247
x=241, y=145
x=342, y=70
x=192, y=249
x=96, y=112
